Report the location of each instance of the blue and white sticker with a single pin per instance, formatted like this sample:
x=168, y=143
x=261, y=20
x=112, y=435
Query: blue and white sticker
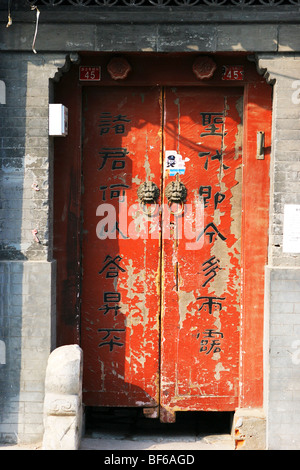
x=174, y=163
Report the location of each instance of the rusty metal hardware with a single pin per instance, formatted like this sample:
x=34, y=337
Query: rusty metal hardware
x=176, y=193
x=260, y=152
x=148, y=193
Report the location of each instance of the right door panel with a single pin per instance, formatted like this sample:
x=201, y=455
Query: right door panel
x=200, y=324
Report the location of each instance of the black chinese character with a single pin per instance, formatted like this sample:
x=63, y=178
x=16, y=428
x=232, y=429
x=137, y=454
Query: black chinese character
x=210, y=345
x=120, y=127
x=107, y=123
x=214, y=231
x=217, y=156
x=211, y=121
x=114, y=341
x=205, y=193
x=112, y=266
x=109, y=297
x=114, y=193
x=117, y=154
x=210, y=302
x=210, y=269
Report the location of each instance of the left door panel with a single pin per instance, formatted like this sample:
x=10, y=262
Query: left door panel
x=120, y=258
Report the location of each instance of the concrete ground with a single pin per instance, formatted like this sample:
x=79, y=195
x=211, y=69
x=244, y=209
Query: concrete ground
x=123, y=430
x=214, y=442
x=181, y=443
x=37, y=446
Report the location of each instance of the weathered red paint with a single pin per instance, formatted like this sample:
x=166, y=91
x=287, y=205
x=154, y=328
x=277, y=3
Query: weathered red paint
x=185, y=383
x=121, y=149
x=200, y=341
x=121, y=303
x=255, y=204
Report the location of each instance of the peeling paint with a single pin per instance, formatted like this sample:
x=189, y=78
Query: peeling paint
x=185, y=300
x=162, y=273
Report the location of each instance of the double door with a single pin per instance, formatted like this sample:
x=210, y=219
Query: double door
x=161, y=247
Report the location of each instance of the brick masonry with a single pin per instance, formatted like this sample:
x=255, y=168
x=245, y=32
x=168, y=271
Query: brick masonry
x=282, y=342
x=27, y=278
x=285, y=169
x=283, y=368
x=25, y=165
x=27, y=327
x=27, y=271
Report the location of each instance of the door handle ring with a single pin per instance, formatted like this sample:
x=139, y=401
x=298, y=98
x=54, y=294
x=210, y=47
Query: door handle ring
x=180, y=209
x=176, y=193
x=149, y=211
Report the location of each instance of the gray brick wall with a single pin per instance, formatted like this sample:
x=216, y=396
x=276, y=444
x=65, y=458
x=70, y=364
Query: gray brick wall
x=25, y=158
x=27, y=327
x=284, y=360
x=282, y=295
x=27, y=283
x=284, y=71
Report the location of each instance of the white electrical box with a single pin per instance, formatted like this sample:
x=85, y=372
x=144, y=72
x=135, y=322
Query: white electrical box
x=2, y=92
x=2, y=352
x=58, y=120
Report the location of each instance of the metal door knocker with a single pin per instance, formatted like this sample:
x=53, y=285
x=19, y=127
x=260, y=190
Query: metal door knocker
x=148, y=193
x=176, y=193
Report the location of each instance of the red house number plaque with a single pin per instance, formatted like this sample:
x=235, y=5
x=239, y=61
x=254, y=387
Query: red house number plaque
x=233, y=72
x=89, y=74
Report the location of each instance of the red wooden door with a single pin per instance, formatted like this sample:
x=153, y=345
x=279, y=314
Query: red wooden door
x=120, y=279
x=161, y=280
x=201, y=294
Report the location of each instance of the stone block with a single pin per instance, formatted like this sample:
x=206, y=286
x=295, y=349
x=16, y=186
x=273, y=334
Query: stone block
x=192, y=38
x=61, y=433
x=288, y=38
x=247, y=37
x=63, y=399
x=108, y=37
x=249, y=429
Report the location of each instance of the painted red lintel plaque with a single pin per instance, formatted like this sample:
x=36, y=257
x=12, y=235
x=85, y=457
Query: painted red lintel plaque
x=233, y=72
x=90, y=73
